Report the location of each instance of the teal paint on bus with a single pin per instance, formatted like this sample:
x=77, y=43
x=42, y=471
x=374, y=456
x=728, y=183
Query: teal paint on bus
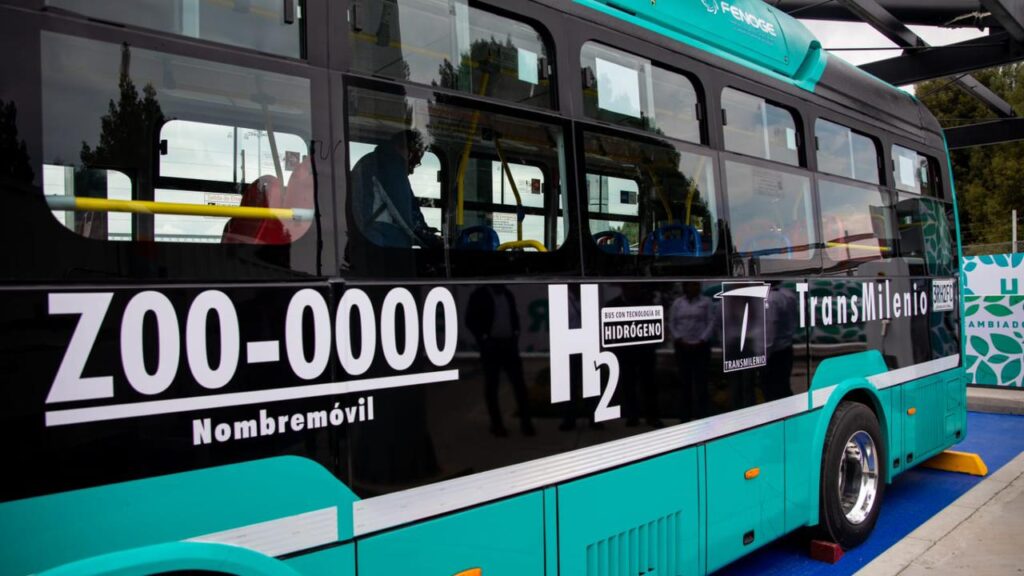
x=175, y=556
x=802, y=466
x=745, y=513
x=643, y=517
x=551, y=531
x=832, y=371
x=336, y=561
x=503, y=539
x=40, y=533
x=746, y=32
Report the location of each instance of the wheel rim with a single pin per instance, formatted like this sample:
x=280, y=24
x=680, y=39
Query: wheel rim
x=858, y=477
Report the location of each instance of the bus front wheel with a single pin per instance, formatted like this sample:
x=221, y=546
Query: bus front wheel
x=852, y=475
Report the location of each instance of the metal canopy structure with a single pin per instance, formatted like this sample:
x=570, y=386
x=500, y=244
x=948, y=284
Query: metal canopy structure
x=920, y=61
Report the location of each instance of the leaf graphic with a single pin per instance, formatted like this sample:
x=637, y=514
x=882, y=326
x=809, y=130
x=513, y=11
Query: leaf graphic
x=1001, y=261
x=993, y=298
x=1014, y=300
x=1010, y=372
x=972, y=309
x=970, y=266
x=1006, y=344
x=998, y=310
x=984, y=374
x=998, y=358
x=971, y=359
x=979, y=345
x=985, y=259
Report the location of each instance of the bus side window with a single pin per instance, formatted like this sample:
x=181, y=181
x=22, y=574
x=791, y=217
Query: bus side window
x=856, y=223
x=755, y=127
x=650, y=200
x=926, y=235
x=257, y=24
x=843, y=152
x=131, y=113
x=914, y=172
x=770, y=213
x=453, y=45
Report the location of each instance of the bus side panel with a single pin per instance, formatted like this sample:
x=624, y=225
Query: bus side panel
x=633, y=520
x=746, y=491
x=932, y=415
x=802, y=466
x=503, y=539
x=336, y=561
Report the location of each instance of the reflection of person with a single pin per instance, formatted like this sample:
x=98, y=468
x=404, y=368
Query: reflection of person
x=494, y=322
x=383, y=202
x=781, y=327
x=692, y=323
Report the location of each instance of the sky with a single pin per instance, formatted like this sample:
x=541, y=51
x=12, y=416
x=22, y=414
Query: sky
x=857, y=35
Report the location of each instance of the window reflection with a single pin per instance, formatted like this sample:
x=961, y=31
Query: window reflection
x=452, y=45
x=856, y=223
x=649, y=199
x=844, y=152
x=757, y=128
x=770, y=212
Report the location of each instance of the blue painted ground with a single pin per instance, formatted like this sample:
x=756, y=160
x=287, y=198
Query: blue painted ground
x=910, y=500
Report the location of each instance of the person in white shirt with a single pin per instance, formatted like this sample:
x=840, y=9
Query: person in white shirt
x=692, y=324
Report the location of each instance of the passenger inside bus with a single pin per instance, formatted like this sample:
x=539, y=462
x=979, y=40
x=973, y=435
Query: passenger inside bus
x=384, y=204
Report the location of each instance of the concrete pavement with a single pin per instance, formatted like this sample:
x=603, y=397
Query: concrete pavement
x=976, y=535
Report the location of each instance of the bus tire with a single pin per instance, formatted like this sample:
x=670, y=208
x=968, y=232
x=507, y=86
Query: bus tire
x=853, y=472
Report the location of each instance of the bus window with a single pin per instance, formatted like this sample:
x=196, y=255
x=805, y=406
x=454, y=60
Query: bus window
x=501, y=193
x=270, y=26
x=757, y=128
x=769, y=212
x=624, y=89
x=647, y=199
x=843, y=152
x=925, y=233
x=452, y=45
x=125, y=151
x=856, y=224
x=917, y=173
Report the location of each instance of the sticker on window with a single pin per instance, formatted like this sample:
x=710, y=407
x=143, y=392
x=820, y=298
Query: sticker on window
x=791, y=138
x=528, y=69
x=618, y=88
x=907, y=171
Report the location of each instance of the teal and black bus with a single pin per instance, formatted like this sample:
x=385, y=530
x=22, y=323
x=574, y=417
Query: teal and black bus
x=440, y=287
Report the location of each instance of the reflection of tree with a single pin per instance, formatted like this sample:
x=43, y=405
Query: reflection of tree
x=128, y=132
x=14, y=162
x=130, y=126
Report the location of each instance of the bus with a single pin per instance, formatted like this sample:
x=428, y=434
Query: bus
x=458, y=287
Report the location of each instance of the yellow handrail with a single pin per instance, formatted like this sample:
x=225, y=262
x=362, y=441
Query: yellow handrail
x=515, y=189
x=460, y=181
x=522, y=244
x=85, y=204
x=856, y=246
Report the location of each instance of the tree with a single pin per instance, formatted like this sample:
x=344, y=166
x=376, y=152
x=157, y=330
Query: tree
x=989, y=180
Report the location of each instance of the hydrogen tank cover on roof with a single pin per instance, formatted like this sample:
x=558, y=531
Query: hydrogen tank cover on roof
x=748, y=32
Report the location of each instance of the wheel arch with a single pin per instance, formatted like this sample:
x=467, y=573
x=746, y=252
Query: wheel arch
x=174, y=556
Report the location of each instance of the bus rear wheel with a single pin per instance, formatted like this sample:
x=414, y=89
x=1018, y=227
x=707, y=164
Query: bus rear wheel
x=852, y=475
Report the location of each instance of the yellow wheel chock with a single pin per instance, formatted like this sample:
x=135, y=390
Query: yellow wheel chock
x=962, y=462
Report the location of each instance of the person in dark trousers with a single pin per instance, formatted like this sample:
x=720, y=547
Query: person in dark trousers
x=692, y=323
x=494, y=322
x=383, y=202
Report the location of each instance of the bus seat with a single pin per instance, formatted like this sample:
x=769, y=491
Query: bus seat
x=299, y=194
x=264, y=192
x=673, y=240
x=482, y=238
x=612, y=242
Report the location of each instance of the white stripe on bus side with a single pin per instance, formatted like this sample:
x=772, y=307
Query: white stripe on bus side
x=282, y=535
x=390, y=510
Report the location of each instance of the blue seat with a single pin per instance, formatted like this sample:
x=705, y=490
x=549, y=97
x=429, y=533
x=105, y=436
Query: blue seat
x=481, y=238
x=612, y=242
x=673, y=240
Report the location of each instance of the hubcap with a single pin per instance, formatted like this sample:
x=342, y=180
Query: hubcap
x=858, y=477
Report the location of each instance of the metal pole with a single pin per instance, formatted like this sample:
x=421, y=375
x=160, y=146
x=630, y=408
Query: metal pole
x=1013, y=231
